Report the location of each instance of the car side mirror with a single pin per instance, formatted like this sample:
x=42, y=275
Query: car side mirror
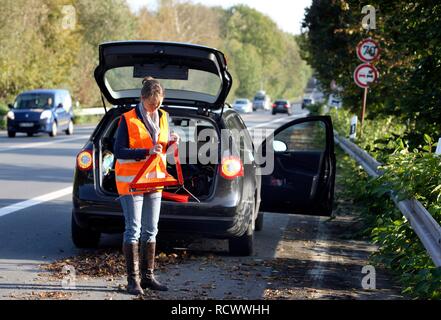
x=279, y=146
x=10, y=106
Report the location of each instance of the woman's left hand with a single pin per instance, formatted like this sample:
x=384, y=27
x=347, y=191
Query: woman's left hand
x=174, y=137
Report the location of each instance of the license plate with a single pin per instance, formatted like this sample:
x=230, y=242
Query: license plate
x=26, y=124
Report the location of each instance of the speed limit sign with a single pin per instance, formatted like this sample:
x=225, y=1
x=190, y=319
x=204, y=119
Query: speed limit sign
x=365, y=74
x=368, y=50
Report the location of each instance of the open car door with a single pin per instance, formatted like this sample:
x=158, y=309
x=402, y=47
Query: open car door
x=303, y=178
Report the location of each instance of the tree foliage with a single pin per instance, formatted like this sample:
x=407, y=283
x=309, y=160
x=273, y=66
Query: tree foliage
x=410, y=63
x=39, y=51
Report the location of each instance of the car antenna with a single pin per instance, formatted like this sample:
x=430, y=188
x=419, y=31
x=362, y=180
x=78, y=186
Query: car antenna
x=104, y=104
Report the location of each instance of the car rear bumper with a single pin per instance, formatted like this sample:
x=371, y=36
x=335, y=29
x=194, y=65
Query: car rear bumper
x=185, y=218
x=281, y=110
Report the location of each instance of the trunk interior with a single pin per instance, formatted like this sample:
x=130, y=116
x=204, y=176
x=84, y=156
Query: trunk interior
x=199, y=139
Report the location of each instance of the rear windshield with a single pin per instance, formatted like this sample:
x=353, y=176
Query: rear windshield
x=281, y=102
x=241, y=101
x=259, y=98
x=34, y=101
x=121, y=79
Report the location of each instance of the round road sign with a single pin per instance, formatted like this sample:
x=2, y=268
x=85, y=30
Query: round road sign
x=368, y=50
x=365, y=74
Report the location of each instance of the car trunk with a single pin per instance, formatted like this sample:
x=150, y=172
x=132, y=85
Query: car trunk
x=199, y=173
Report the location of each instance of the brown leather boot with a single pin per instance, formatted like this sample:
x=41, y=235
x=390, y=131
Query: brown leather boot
x=131, y=255
x=148, y=279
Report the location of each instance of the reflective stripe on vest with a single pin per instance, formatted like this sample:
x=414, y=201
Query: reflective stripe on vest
x=139, y=138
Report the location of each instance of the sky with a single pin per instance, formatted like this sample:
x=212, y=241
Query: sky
x=288, y=14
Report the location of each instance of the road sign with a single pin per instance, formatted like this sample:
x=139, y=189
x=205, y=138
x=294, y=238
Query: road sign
x=368, y=50
x=353, y=129
x=365, y=74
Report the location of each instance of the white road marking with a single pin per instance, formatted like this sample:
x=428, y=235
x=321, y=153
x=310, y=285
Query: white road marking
x=34, y=201
x=39, y=144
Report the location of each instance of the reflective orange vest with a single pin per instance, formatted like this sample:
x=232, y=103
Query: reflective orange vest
x=139, y=137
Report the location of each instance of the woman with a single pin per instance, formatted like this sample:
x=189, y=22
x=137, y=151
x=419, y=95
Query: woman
x=142, y=132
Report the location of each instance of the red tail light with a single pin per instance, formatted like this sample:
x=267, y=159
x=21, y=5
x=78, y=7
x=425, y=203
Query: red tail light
x=231, y=167
x=85, y=160
x=286, y=105
x=274, y=105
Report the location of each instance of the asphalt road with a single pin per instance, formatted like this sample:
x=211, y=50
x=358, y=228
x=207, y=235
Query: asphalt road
x=35, y=211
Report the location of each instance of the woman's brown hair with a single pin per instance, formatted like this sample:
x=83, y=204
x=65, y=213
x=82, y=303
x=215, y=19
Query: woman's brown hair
x=151, y=88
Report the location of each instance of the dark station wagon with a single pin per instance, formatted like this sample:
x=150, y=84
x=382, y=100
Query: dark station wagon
x=222, y=171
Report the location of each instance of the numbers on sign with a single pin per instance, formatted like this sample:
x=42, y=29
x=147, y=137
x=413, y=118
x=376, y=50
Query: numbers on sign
x=370, y=50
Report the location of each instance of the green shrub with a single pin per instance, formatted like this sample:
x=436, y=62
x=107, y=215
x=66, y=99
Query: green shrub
x=413, y=174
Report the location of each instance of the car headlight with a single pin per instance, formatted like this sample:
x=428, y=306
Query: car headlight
x=108, y=159
x=10, y=115
x=46, y=114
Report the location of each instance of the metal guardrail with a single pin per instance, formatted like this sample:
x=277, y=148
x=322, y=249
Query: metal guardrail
x=422, y=222
x=89, y=111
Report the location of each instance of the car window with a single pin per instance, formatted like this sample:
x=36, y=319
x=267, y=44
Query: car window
x=306, y=136
x=34, y=101
x=124, y=78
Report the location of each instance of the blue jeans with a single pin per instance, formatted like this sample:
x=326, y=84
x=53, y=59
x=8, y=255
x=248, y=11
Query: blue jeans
x=141, y=214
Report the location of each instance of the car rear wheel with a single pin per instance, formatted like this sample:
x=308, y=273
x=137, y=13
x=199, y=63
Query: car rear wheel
x=82, y=237
x=243, y=245
x=54, y=130
x=70, y=128
x=30, y=134
x=11, y=134
x=273, y=113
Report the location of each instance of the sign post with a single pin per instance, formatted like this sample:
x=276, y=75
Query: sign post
x=368, y=51
x=353, y=130
x=438, y=147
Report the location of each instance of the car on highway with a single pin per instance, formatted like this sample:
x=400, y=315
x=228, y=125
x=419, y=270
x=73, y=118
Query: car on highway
x=243, y=106
x=43, y=110
x=261, y=101
x=225, y=190
x=282, y=106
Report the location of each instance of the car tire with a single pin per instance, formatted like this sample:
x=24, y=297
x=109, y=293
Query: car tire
x=84, y=238
x=273, y=113
x=30, y=134
x=70, y=128
x=259, y=222
x=243, y=245
x=54, y=130
x=11, y=134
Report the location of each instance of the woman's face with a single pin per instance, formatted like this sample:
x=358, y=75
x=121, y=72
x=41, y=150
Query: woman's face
x=152, y=104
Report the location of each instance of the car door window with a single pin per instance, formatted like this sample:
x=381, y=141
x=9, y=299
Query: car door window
x=307, y=136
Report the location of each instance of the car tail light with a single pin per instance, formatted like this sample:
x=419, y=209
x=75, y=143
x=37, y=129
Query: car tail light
x=274, y=105
x=286, y=105
x=85, y=160
x=231, y=167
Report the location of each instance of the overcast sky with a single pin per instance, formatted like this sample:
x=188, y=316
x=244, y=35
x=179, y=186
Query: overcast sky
x=288, y=14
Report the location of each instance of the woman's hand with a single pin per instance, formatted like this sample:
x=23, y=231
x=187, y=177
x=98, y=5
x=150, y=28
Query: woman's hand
x=157, y=149
x=174, y=137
